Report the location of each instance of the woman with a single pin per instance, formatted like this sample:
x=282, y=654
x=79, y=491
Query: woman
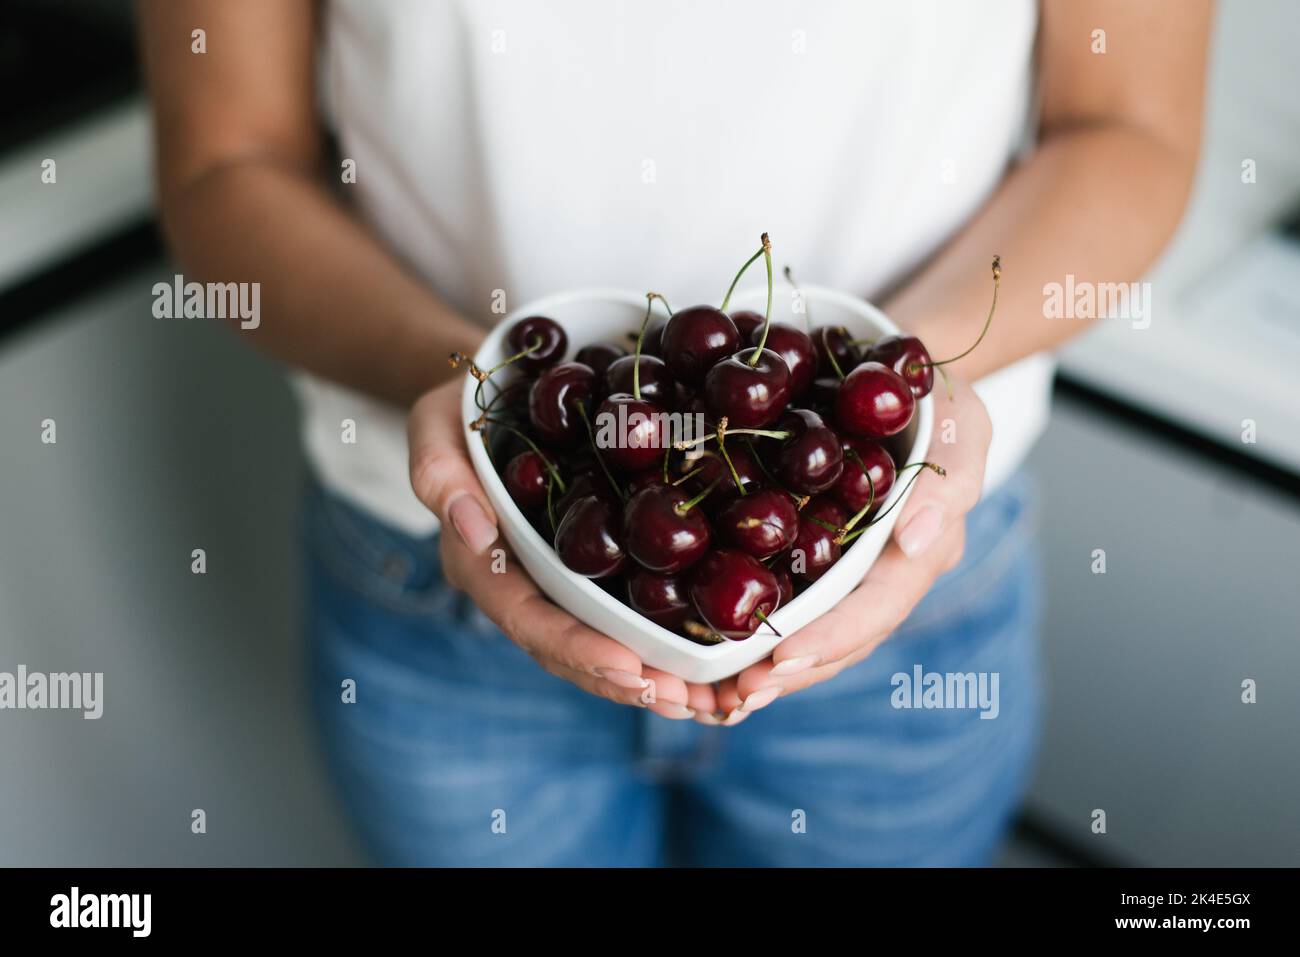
x=501, y=151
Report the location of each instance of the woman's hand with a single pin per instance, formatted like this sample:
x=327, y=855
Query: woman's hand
x=928, y=541
x=443, y=479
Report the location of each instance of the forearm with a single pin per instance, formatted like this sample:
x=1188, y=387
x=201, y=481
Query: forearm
x=1098, y=202
x=333, y=300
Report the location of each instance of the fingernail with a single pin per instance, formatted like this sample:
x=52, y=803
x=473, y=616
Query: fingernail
x=673, y=710
x=703, y=717
x=922, y=531
x=472, y=524
x=759, y=699
x=735, y=717
x=624, y=679
x=792, y=666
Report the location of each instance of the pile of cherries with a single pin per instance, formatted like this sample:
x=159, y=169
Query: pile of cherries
x=706, y=536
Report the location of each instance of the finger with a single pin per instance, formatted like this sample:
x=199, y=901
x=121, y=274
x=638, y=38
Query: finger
x=938, y=501
x=729, y=701
x=667, y=696
x=440, y=470
x=704, y=702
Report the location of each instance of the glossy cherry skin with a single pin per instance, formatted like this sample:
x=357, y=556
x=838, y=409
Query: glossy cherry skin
x=579, y=487
x=815, y=550
x=749, y=396
x=834, y=341
x=853, y=490
x=760, y=523
x=526, y=477
x=811, y=459
x=552, y=401
x=695, y=339
x=627, y=433
x=661, y=598
x=657, y=384
x=747, y=320
x=589, y=538
x=874, y=402
x=598, y=356
x=730, y=589
x=907, y=356
x=794, y=346
x=784, y=586
x=660, y=535
x=526, y=332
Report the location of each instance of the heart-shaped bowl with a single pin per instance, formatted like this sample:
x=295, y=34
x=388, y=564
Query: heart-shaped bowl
x=608, y=315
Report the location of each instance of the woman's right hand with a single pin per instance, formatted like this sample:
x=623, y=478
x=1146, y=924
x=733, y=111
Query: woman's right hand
x=444, y=480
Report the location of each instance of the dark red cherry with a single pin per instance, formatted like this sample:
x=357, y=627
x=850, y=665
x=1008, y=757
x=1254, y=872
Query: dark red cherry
x=874, y=402
x=628, y=432
x=599, y=355
x=546, y=334
x=665, y=533
x=552, y=403
x=815, y=550
x=784, y=586
x=834, y=341
x=657, y=384
x=661, y=598
x=822, y=394
x=907, y=356
x=654, y=335
x=695, y=339
x=811, y=459
x=714, y=471
x=589, y=538
x=761, y=523
x=749, y=396
x=526, y=478
x=747, y=320
x=794, y=346
x=581, y=486
x=733, y=592
x=644, y=480
x=853, y=490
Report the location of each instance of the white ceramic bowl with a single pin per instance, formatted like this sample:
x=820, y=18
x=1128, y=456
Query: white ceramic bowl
x=593, y=315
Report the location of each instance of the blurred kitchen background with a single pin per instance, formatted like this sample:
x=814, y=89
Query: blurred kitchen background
x=174, y=436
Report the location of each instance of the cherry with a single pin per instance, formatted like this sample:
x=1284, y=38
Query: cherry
x=644, y=480
x=796, y=347
x=815, y=548
x=589, y=538
x=761, y=523
x=747, y=320
x=661, y=598
x=907, y=356
x=665, y=532
x=751, y=388
x=657, y=384
x=654, y=337
x=874, y=402
x=539, y=331
x=598, y=356
x=715, y=474
x=552, y=399
x=527, y=476
x=579, y=487
x=784, y=585
x=822, y=394
x=696, y=338
x=811, y=459
x=863, y=457
x=834, y=348
x=627, y=432
x=733, y=593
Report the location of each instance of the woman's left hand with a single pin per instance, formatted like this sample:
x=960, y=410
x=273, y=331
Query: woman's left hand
x=928, y=541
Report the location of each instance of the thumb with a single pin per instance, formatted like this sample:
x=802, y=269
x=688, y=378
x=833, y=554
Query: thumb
x=442, y=476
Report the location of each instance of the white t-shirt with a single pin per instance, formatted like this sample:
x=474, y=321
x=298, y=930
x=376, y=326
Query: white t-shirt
x=532, y=148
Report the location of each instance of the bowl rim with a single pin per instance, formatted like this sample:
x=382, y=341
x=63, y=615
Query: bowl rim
x=521, y=525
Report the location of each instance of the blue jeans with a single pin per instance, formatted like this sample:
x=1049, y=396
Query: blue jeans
x=461, y=750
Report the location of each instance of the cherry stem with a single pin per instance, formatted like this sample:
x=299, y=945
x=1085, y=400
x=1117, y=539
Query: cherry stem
x=591, y=436
x=457, y=358
x=766, y=433
x=871, y=499
x=477, y=427
x=801, y=500
x=767, y=318
x=550, y=507
x=830, y=353
x=997, y=281
x=702, y=632
x=681, y=508
x=763, y=618
x=692, y=473
x=807, y=313
x=667, y=452
x=722, y=450
x=732, y=288
x=933, y=467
